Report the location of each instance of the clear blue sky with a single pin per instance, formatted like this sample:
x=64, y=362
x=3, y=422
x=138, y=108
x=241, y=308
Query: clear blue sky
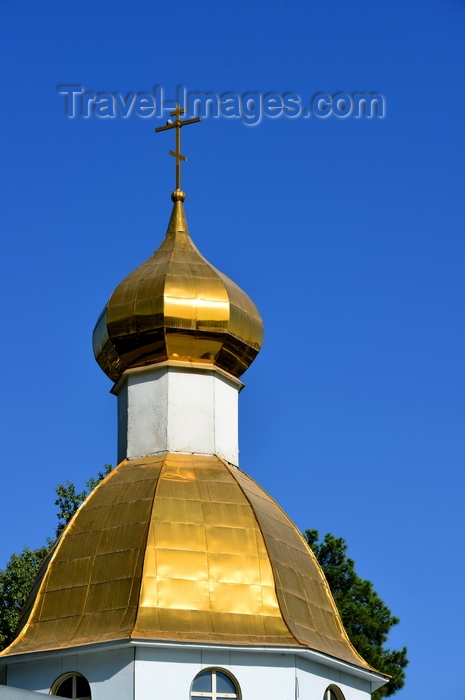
x=347, y=233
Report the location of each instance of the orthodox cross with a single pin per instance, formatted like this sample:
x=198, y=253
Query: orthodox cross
x=177, y=125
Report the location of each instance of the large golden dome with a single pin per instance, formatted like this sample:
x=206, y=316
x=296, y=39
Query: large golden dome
x=176, y=306
x=182, y=548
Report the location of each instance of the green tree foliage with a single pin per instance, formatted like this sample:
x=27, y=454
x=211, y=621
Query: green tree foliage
x=366, y=618
x=15, y=583
x=17, y=577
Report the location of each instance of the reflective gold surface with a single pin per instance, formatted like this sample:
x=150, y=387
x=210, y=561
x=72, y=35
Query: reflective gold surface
x=305, y=599
x=207, y=576
x=177, y=306
x=182, y=548
x=90, y=590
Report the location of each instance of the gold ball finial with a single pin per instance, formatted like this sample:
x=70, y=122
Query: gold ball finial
x=178, y=196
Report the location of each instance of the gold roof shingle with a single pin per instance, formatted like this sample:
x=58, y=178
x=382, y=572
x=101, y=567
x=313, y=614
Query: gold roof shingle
x=182, y=548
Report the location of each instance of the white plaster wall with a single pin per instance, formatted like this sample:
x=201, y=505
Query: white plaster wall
x=267, y=676
x=19, y=694
x=177, y=409
x=145, y=420
x=122, y=447
x=261, y=676
x=191, y=412
x=160, y=673
x=152, y=673
x=313, y=679
x=227, y=421
x=110, y=673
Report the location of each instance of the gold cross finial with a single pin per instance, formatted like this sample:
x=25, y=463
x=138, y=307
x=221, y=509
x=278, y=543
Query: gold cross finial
x=177, y=125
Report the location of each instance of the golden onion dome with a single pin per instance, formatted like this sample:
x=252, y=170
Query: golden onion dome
x=176, y=306
x=182, y=548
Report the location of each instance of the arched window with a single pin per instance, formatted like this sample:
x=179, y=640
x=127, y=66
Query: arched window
x=71, y=685
x=333, y=693
x=214, y=683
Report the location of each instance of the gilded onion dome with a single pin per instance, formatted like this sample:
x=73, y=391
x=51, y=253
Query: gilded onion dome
x=182, y=548
x=176, y=306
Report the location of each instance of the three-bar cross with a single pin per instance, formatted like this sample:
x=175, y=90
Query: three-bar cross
x=177, y=125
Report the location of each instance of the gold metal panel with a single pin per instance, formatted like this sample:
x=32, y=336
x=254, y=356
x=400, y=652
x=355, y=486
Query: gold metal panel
x=181, y=511
x=207, y=348
x=104, y=625
x=69, y=611
x=181, y=624
x=238, y=512
x=63, y=603
x=192, y=535
x=148, y=310
x=179, y=594
x=177, y=289
x=234, y=568
x=121, y=318
x=210, y=287
x=72, y=572
x=100, y=335
x=178, y=490
x=180, y=345
x=213, y=314
x=149, y=287
x=225, y=539
x=237, y=598
x=245, y=326
x=117, y=562
x=108, y=596
x=180, y=313
x=182, y=564
x=311, y=617
x=269, y=599
x=191, y=593
x=182, y=548
x=217, y=492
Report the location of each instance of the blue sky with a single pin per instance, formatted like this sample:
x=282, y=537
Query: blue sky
x=347, y=233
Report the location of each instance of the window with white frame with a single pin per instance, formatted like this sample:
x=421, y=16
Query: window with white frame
x=333, y=693
x=71, y=685
x=214, y=683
